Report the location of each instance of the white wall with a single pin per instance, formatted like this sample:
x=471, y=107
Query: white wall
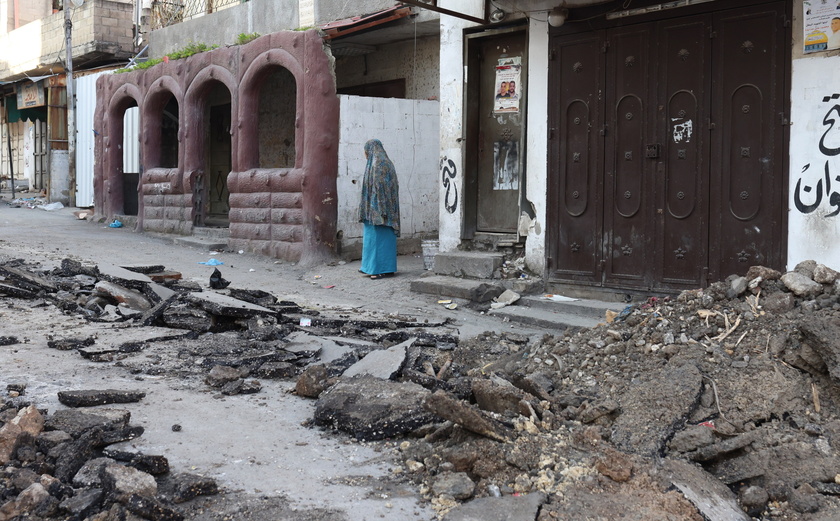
x=537, y=143
x=409, y=132
x=451, y=177
x=813, y=234
x=813, y=231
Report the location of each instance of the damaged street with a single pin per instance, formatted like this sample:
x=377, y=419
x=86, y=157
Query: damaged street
x=131, y=388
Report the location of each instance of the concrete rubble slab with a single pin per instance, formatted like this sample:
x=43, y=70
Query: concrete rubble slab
x=326, y=349
x=223, y=305
x=382, y=363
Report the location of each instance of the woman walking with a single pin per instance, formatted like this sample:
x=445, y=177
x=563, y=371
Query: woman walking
x=379, y=210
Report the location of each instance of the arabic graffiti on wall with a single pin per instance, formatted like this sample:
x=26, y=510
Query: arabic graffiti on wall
x=448, y=172
x=810, y=189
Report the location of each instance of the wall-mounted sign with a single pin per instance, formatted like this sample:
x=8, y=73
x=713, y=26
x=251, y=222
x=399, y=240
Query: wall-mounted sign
x=30, y=94
x=822, y=25
x=508, y=91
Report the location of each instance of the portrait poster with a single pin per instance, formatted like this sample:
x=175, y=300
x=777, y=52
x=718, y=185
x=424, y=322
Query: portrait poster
x=508, y=87
x=506, y=165
x=821, y=25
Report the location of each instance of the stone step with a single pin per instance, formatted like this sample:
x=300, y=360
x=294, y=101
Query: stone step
x=534, y=310
x=547, y=313
x=202, y=243
x=543, y=318
x=468, y=289
x=211, y=231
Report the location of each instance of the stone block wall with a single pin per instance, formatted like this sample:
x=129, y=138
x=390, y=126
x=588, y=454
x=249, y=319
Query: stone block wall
x=288, y=213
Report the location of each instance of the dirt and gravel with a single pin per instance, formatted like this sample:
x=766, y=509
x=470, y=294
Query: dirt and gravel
x=718, y=403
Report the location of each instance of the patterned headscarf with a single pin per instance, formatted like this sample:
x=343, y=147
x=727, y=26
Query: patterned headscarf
x=380, y=203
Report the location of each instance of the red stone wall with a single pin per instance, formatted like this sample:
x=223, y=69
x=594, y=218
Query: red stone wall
x=288, y=213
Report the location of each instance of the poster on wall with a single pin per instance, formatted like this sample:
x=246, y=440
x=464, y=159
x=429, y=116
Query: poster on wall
x=822, y=25
x=507, y=85
x=506, y=165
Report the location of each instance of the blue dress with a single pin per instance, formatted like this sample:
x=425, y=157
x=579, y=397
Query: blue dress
x=379, y=210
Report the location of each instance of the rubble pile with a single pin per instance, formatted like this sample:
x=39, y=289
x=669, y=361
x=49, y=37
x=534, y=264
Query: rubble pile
x=657, y=408
x=60, y=466
x=719, y=403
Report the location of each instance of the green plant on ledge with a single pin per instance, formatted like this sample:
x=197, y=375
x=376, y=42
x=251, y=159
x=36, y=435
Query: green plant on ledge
x=244, y=38
x=186, y=52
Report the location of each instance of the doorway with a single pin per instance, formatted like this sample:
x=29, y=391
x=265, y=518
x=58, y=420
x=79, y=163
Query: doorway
x=667, y=150
x=495, y=166
x=218, y=167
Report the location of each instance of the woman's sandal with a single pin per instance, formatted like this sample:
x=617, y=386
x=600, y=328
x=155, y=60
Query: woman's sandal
x=381, y=276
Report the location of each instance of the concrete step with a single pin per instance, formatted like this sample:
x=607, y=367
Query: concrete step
x=468, y=289
x=543, y=318
x=469, y=264
x=202, y=243
x=546, y=313
x=533, y=310
x=211, y=231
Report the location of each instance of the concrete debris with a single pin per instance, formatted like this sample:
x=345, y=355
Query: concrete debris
x=89, y=398
x=718, y=403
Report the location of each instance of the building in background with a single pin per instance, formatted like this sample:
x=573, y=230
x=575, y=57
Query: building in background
x=259, y=141
x=33, y=83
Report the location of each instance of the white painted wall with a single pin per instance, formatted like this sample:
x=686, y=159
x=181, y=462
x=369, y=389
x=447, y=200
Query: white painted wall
x=537, y=144
x=813, y=235
x=409, y=132
x=452, y=78
x=813, y=231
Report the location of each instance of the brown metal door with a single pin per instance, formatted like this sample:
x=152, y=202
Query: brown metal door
x=748, y=172
x=629, y=196
x=575, y=153
x=683, y=167
x=692, y=178
x=501, y=135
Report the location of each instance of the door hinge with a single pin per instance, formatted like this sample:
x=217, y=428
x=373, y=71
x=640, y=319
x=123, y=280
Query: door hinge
x=603, y=131
x=783, y=119
x=605, y=46
x=551, y=133
x=707, y=276
x=548, y=262
x=552, y=55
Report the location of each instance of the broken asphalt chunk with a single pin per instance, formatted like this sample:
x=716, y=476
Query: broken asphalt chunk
x=223, y=305
x=670, y=397
x=127, y=297
x=14, y=291
x=185, y=487
x=67, y=344
x=370, y=408
x=822, y=334
x=26, y=280
x=89, y=398
x=470, y=418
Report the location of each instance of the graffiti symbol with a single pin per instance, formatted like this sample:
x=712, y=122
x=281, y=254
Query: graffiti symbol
x=448, y=173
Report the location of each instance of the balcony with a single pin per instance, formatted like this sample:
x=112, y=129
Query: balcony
x=102, y=33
